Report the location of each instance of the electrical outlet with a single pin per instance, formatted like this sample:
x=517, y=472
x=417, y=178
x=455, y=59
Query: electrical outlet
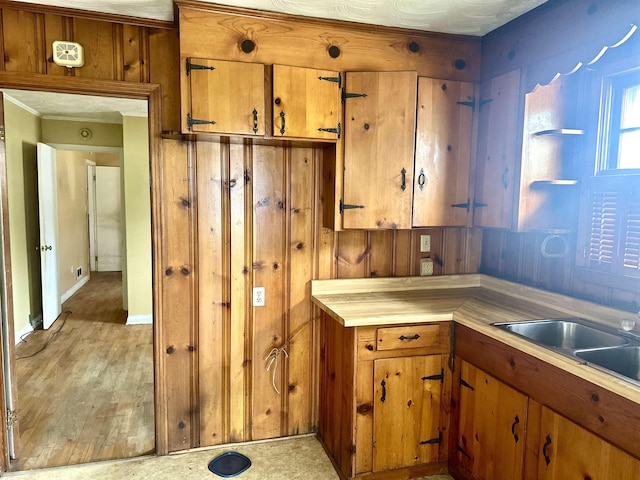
x=426, y=267
x=79, y=272
x=258, y=296
x=425, y=243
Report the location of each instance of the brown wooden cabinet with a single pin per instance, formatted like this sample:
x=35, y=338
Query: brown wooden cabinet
x=498, y=151
x=551, y=164
x=384, y=399
x=306, y=103
x=558, y=449
x=406, y=412
x=492, y=426
x=222, y=97
x=379, y=131
x=441, y=196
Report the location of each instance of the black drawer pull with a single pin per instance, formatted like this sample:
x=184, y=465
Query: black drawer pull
x=408, y=339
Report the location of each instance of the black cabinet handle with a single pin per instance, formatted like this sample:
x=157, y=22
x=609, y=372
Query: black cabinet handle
x=422, y=178
x=404, y=179
x=383, y=384
x=516, y=421
x=283, y=123
x=504, y=178
x=412, y=337
x=544, y=450
x=255, y=121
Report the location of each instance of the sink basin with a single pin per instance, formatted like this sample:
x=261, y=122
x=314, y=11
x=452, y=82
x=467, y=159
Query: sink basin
x=567, y=334
x=624, y=361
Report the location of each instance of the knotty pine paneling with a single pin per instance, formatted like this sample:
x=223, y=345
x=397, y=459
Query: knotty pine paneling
x=212, y=296
x=258, y=212
x=164, y=69
x=517, y=257
x=217, y=32
x=55, y=28
x=20, y=41
x=179, y=345
x=100, y=46
x=113, y=51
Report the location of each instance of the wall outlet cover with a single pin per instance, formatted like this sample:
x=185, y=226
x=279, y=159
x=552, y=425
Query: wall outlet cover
x=426, y=267
x=258, y=297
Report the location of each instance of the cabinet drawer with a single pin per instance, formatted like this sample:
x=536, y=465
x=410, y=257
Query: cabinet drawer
x=413, y=336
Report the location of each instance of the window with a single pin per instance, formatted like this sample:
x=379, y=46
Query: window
x=609, y=236
x=612, y=227
x=621, y=123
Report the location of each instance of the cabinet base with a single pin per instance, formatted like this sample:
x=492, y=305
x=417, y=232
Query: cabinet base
x=405, y=473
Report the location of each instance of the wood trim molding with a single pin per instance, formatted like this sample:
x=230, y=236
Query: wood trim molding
x=152, y=93
x=77, y=13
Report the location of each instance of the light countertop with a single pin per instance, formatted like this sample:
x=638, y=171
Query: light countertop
x=472, y=300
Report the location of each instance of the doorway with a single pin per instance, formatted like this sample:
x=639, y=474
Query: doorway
x=63, y=352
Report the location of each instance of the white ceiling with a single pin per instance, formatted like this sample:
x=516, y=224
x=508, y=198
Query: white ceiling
x=468, y=17
x=77, y=107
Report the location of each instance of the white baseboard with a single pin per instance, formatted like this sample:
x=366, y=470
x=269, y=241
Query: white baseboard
x=27, y=329
x=67, y=295
x=140, y=319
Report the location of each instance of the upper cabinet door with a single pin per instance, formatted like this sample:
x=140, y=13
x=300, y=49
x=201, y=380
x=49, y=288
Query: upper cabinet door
x=306, y=103
x=443, y=152
x=380, y=113
x=224, y=97
x=498, y=140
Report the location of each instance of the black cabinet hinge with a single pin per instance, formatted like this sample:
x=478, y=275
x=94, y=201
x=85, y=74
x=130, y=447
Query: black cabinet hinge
x=465, y=384
x=337, y=130
x=439, y=376
x=433, y=441
x=468, y=205
x=196, y=121
x=195, y=66
x=337, y=79
x=473, y=104
x=346, y=95
x=461, y=450
x=347, y=206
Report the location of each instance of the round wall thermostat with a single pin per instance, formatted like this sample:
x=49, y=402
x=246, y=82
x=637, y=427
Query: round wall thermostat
x=85, y=133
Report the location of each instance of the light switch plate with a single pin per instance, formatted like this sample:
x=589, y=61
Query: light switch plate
x=258, y=297
x=425, y=243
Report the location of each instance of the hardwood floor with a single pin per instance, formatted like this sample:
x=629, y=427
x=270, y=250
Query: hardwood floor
x=88, y=396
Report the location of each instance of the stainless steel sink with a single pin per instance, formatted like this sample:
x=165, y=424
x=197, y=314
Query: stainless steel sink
x=605, y=348
x=624, y=361
x=564, y=333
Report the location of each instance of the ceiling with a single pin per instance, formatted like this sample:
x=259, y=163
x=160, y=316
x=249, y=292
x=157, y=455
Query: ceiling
x=77, y=107
x=468, y=17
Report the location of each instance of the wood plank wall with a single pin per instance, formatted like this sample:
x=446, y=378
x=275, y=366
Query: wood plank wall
x=235, y=215
x=517, y=257
x=255, y=211
x=554, y=38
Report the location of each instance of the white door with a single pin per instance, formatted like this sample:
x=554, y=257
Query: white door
x=91, y=213
x=48, y=211
x=108, y=219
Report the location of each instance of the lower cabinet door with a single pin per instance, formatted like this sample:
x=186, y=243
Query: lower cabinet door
x=406, y=413
x=491, y=427
x=567, y=451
